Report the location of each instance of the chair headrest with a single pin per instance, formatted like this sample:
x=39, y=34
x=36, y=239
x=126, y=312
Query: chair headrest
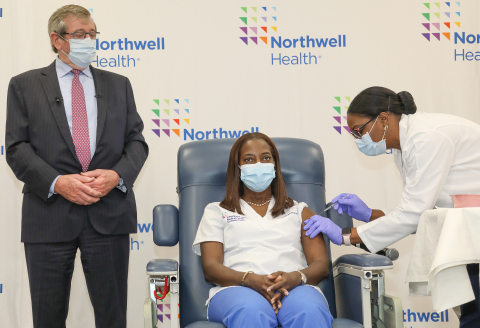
x=205, y=162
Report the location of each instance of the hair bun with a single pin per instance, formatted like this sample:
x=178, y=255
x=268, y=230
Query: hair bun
x=406, y=99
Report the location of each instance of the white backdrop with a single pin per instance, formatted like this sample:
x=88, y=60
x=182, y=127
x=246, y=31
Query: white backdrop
x=222, y=82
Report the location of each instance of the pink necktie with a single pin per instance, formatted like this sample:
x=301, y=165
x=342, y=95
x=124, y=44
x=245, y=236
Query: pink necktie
x=80, y=134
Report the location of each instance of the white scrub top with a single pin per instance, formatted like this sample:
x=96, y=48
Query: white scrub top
x=263, y=245
x=439, y=157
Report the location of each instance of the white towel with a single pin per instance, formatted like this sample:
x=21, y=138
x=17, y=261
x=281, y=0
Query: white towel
x=446, y=240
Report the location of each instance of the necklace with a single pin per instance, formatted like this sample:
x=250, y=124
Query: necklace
x=268, y=201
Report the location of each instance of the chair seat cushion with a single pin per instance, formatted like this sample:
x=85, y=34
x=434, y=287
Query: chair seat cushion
x=337, y=323
x=364, y=260
x=346, y=323
x=205, y=324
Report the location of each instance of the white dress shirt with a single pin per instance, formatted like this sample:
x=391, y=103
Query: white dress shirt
x=65, y=79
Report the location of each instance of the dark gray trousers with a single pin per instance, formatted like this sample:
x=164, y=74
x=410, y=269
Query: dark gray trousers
x=470, y=317
x=105, y=265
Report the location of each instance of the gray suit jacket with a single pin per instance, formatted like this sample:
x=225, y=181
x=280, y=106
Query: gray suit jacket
x=40, y=146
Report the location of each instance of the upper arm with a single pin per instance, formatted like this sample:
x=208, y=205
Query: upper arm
x=315, y=248
x=212, y=253
x=16, y=130
x=135, y=148
x=135, y=123
x=27, y=166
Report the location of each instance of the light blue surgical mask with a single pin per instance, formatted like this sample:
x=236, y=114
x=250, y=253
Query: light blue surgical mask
x=82, y=51
x=369, y=147
x=257, y=177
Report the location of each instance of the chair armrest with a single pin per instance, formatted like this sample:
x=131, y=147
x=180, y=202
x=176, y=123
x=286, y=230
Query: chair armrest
x=205, y=324
x=162, y=267
x=165, y=225
x=345, y=323
x=364, y=261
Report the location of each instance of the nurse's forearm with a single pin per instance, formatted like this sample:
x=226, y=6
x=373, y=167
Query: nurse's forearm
x=354, y=237
x=376, y=214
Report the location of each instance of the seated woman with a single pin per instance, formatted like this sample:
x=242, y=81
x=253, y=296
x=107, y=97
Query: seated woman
x=253, y=241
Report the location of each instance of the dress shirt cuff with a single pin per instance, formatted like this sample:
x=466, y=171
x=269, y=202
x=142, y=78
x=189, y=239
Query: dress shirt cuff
x=122, y=186
x=52, y=192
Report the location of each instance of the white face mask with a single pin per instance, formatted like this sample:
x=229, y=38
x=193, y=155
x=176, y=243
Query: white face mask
x=82, y=51
x=369, y=147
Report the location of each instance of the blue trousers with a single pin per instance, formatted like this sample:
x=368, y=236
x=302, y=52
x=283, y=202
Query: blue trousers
x=241, y=307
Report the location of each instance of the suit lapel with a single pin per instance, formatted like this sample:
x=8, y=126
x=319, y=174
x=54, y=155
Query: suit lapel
x=100, y=89
x=49, y=79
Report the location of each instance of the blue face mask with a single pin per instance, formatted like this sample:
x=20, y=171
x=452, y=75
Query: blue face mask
x=257, y=177
x=82, y=51
x=369, y=147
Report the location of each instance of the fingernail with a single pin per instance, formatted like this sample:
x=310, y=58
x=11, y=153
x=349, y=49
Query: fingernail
x=286, y=294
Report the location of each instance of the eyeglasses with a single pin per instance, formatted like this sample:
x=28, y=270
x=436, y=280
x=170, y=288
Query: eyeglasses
x=82, y=35
x=357, y=133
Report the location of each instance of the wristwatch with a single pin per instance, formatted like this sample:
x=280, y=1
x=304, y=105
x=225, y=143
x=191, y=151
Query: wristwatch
x=304, y=277
x=346, y=233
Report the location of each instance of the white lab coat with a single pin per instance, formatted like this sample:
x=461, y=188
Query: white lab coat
x=439, y=157
x=253, y=243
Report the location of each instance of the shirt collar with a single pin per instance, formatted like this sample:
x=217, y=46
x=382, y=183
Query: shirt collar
x=244, y=205
x=63, y=69
x=402, y=127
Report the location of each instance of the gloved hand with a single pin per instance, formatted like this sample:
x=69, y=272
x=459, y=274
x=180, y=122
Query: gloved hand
x=353, y=206
x=317, y=224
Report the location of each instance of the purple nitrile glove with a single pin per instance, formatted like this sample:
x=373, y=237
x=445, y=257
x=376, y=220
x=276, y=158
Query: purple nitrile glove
x=317, y=224
x=353, y=206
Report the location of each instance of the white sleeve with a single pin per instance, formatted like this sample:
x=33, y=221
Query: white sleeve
x=428, y=164
x=386, y=211
x=300, y=207
x=210, y=227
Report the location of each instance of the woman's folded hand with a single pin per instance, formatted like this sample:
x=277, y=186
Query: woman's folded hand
x=261, y=284
x=283, y=283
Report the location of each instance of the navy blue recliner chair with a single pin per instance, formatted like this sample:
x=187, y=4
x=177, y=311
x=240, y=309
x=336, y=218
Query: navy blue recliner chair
x=354, y=288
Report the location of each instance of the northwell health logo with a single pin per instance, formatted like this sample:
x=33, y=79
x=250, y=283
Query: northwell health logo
x=172, y=117
x=338, y=116
x=260, y=28
x=169, y=120
x=440, y=19
x=124, y=52
x=120, y=46
x=258, y=23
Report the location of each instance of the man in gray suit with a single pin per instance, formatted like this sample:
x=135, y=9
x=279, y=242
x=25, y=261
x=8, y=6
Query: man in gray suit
x=74, y=137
